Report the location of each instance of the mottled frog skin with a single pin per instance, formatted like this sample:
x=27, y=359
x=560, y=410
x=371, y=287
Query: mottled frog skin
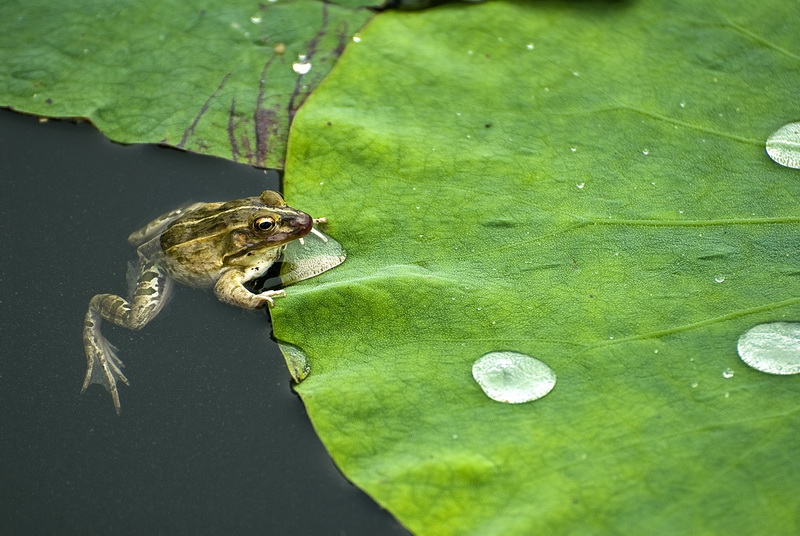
x=220, y=245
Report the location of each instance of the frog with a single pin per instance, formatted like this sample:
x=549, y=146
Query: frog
x=223, y=245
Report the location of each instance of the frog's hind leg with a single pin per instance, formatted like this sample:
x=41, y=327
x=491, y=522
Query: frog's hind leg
x=103, y=366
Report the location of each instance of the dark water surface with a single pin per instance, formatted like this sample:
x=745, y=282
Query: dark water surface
x=211, y=439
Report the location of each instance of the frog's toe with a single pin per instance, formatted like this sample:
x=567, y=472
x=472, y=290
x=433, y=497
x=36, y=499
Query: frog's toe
x=103, y=367
x=269, y=296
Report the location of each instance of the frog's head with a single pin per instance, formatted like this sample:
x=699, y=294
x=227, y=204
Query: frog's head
x=270, y=223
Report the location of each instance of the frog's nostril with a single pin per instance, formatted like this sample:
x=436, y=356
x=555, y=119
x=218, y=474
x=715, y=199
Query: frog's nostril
x=306, y=222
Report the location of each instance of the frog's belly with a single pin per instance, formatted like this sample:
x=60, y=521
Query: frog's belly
x=201, y=274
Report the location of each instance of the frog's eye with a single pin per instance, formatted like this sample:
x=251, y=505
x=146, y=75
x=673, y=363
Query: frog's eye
x=264, y=224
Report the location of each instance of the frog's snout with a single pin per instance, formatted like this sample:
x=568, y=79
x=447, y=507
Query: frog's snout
x=294, y=226
x=303, y=225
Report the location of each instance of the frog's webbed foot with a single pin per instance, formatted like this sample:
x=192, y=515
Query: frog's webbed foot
x=102, y=364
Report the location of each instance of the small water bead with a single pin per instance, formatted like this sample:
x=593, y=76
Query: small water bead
x=783, y=146
x=773, y=347
x=580, y=185
x=719, y=279
x=727, y=373
x=302, y=65
x=529, y=46
x=512, y=377
x=645, y=152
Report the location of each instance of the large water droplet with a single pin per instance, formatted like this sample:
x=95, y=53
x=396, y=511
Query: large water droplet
x=512, y=377
x=317, y=253
x=773, y=347
x=783, y=146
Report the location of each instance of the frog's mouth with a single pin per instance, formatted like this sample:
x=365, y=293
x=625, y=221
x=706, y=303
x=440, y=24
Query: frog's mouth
x=293, y=226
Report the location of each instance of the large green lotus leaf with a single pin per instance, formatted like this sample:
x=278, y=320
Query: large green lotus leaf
x=212, y=77
x=585, y=183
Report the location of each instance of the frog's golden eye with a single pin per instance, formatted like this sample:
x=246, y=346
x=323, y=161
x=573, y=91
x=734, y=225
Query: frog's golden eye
x=264, y=223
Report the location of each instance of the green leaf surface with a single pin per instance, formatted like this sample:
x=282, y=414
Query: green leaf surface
x=215, y=78
x=585, y=183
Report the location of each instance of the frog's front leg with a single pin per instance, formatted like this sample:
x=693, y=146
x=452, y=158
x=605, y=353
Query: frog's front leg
x=230, y=289
x=102, y=364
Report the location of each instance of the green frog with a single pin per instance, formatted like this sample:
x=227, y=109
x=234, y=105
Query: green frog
x=220, y=245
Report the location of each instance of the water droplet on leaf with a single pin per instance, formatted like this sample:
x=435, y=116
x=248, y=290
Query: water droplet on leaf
x=302, y=65
x=727, y=373
x=296, y=360
x=783, y=146
x=311, y=258
x=512, y=377
x=773, y=347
